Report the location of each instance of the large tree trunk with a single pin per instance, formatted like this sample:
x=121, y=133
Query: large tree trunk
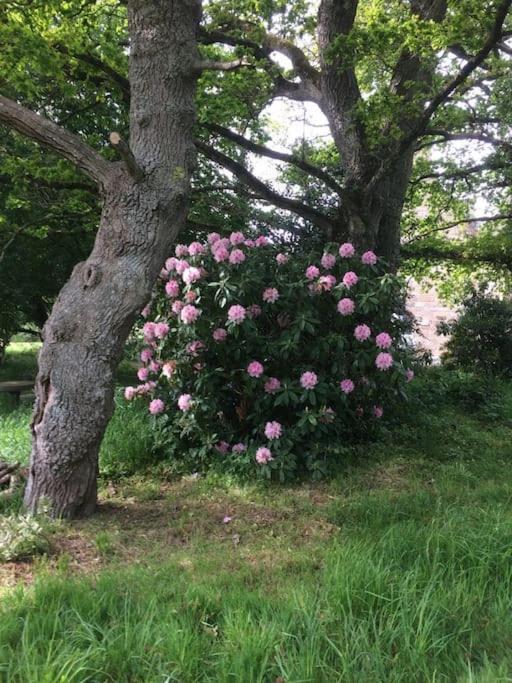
x=84, y=336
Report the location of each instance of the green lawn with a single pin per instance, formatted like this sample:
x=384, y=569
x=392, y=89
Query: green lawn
x=399, y=569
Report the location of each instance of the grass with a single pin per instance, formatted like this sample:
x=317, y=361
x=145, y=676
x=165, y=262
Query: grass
x=398, y=570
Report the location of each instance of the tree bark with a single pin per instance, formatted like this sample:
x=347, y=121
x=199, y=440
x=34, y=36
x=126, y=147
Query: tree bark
x=84, y=336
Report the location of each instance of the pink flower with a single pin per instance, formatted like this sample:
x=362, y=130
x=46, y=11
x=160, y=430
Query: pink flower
x=350, y=279
x=222, y=447
x=236, y=314
x=249, y=243
x=378, y=411
x=272, y=385
x=156, y=406
x=347, y=386
x=194, y=347
x=191, y=274
x=253, y=311
x=226, y=519
x=189, y=314
x=261, y=241
x=346, y=306
x=369, y=258
x=220, y=334
x=181, y=267
x=168, y=369
x=328, y=261
x=146, y=355
x=327, y=282
x=221, y=254
x=273, y=430
x=347, y=250
x=384, y=361
x=181, y=250
x=190, y=297
x=308, y=380
x=362, y=332
x=171, y=263
x=143, y=374
x=172, y=288
x=177, y=307
x=161, y=330
x=236, y=257
x=263, y=455
x=185, y=402
x=270, y=295
x=149, y=331
x=255, y=369
x=213, y=237
x=195, y=249
x=129, y=393
x=383, y=340
x=239, y=448
x=146, y=311
x=164, y=274
x=236, y=238
x=221, y=242
x=312, y=272
x=409, y=375
x=154, y=366
x=282, y=259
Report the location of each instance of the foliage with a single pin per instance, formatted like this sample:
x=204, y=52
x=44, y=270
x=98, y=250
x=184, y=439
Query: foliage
x=480, y=339
x=274, y=358
x=128, y=443
x=22, y=536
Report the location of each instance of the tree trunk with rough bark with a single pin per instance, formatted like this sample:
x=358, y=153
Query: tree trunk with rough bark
x=145, y=204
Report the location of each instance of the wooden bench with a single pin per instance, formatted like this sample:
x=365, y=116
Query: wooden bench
x=15, y=388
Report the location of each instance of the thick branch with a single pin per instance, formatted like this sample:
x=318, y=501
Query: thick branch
x=58, y=139
x=126, y=154
x=305, y=91
x=309, y=214
x=273, y=154
x=211, y=65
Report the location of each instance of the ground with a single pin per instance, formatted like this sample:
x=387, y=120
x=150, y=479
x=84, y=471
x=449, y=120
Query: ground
x=398, y=569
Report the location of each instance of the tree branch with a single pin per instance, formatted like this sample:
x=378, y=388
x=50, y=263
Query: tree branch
x=308, y=213
x=305, y=91
x=493, y=38
x=126, y=155
x=256, y=148
x=58, y=139
x=464, y=221
x=211, y=65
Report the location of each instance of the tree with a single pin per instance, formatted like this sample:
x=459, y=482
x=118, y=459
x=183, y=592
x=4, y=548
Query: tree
x=393, y=79
x=144, y=205
x=390, y=78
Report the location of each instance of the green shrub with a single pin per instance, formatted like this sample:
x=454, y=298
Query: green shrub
x=21, y=537
x=480, y=339
x=268, y=359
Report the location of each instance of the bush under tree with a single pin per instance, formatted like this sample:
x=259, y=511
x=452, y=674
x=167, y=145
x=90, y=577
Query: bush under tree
x=266, y=358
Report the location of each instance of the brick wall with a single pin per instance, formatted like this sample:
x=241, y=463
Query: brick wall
x=429, y=311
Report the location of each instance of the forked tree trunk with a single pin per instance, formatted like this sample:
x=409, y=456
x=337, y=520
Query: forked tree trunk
x=142, y=214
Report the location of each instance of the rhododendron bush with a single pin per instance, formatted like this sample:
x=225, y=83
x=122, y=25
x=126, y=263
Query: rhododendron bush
x=258, y=356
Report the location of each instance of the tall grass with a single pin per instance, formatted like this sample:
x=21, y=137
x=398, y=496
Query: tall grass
x=420, y=602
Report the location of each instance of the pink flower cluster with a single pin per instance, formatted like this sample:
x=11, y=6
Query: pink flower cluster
x=270, y=295
x=273, y=430
x=236, y=314
x=255, y=369
x=308, y=380
x=263, y=455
